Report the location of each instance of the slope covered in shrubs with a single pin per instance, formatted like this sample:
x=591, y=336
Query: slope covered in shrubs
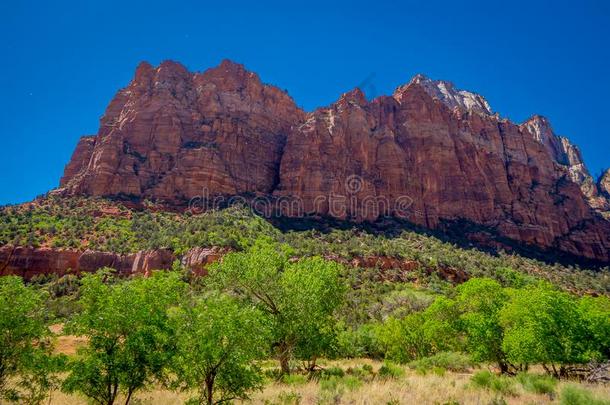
x=97, y=224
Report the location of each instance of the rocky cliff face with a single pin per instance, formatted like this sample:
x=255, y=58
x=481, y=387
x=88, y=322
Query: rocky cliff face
x=604, y=184
x=171, y=134
x=429, y=153
x=29, y=262
x=569, y=161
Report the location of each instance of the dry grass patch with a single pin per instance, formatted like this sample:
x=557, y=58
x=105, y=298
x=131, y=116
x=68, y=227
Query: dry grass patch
x=450, y=388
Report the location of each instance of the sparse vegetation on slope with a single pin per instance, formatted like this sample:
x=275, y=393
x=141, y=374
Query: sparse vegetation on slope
x=98, y=224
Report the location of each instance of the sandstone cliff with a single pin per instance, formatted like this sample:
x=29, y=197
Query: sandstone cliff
x=171, y=134
x=429, y=153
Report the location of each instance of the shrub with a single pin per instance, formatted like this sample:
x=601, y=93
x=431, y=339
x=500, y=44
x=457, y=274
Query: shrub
x=538, y=384
x=294, y=379
x=390, y=370
x=453, y=361
x=364, y=372
x=289, y=398
x=332, y=372
x=331, y=390
x=500, y=384
x=574, y=395
x=357, y=342
x=422, y=333
x=351, y=382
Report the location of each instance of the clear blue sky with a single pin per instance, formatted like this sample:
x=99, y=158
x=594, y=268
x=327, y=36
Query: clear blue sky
x=63, y=61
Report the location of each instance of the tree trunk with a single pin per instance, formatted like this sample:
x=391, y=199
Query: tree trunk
x=284, y=357
x=209, y=385
x=128, y=397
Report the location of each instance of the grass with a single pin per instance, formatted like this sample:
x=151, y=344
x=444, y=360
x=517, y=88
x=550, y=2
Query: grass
x=499, y=384
x=538, y=384
x=575, y=395
x=354, y=387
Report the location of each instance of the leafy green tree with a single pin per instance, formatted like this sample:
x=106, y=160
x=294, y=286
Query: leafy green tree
x=39, y=376
x=480, y=301
x=130, y=340
x=595, y=312
x=24, y=348
x=299, y=297
x=543, y=326
x=423, y=333
x=217, y=340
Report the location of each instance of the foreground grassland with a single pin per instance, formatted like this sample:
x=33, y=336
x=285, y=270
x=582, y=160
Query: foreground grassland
x=346, y=383
x=413, y=387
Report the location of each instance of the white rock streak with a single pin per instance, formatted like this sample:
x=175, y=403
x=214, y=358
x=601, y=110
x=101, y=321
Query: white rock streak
x=452, y=97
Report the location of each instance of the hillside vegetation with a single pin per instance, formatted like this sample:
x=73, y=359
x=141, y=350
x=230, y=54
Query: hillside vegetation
x=98, y=224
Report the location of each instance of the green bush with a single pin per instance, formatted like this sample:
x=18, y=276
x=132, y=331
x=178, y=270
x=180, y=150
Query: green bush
x=331, y=372
x=289, y=398
x=500, y=384
x=294, y=379
x=357, y=342
x=538, y=384
x=390, y=371
x=574, y=395
x=364, y=372
x=452, y=361
x=351, y=382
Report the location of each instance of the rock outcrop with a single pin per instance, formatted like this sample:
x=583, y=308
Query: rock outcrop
x=569, y=160
x=604, y=184
x=29, y=262
x=430, y=153
x=172, y=135
x=80, y=159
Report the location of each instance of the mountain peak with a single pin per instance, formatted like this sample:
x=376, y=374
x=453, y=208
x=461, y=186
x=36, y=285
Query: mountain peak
x=229, y=64
x=355, y=96
x=447, y=93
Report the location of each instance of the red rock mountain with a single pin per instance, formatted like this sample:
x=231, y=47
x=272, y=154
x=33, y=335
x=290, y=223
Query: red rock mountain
x=430, y=153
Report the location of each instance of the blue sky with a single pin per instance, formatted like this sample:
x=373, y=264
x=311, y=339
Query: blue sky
x=62, y=62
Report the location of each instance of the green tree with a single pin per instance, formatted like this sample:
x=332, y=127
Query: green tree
x=299, y=297
x=217, y=340
x=130, y=340
x=543, y=326
x=480, y=301
x=21, y=325
x=422, y=333
x=595, y=312
x=24, y=347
